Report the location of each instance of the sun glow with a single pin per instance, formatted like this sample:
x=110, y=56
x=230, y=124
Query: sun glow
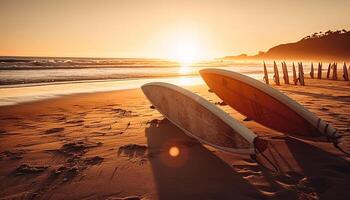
x=186, y=48
x=186, y=52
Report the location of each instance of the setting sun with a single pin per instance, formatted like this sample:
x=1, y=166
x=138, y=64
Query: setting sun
x=186, y=52
x=186, y=46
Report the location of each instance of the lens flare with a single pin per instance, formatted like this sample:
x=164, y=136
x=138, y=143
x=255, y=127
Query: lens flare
x=174, y=151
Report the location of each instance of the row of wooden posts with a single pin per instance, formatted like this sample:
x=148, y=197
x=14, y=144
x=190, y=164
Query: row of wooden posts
x=300, y=76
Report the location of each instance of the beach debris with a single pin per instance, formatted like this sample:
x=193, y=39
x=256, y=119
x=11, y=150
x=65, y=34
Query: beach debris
x=285, y=73
x=335, y=71
x=152, y=107
x=266, y=76
x=54, y=130
x=312, y=70
x=276, y=76
x=295, y=79
x=27, y=169
x=345, y=72
x=329, y=70
x=319, y=71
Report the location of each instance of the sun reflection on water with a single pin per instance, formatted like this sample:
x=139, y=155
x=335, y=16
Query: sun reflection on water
x=184, y=70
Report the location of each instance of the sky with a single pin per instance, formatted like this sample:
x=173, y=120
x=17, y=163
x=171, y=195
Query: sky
x=161, y=28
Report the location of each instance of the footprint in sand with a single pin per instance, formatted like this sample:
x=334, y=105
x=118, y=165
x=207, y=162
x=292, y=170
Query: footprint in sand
x=25, y=169
x=11, y=155
x=324, y=109
x=132, y=150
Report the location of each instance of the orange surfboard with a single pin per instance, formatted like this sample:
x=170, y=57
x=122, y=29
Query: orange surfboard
x=345, y=72
x=319, y=71
x=266, y=76
x=295, y=79
x=266, y=105
x=312, y=70
x=276, y=76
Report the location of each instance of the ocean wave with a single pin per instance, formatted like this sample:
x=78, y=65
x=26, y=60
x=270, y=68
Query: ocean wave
x=9, y=63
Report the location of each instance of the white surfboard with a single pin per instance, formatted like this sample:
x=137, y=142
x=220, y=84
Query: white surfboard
x=199, y=118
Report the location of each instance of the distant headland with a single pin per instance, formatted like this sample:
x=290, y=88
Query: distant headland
x=330, y=45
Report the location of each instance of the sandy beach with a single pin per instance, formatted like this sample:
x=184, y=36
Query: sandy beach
x=113, y=145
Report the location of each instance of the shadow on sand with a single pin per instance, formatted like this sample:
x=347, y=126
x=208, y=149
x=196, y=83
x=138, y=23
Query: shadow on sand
x=308, y=170
x=193, y=172
x=327, y=174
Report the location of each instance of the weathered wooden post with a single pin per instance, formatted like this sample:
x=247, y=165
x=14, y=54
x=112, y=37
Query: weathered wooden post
x=345, y=72
x=285, y=73
x=335, y=71
x=312, y=70
x=329, y=70
x=276, y=76
x=266, y=76
x=301, y=74
x=319, y=71
x=295, y=79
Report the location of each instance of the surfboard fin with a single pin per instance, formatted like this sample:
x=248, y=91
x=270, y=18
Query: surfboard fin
x=343, y=145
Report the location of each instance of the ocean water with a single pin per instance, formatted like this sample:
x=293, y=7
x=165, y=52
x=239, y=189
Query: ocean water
x=15, y=71
x=24, y=79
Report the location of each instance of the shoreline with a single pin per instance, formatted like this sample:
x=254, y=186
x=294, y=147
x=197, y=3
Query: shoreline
x=18, y=95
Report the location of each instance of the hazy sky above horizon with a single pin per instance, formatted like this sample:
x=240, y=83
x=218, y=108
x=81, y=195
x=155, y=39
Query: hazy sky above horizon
x=161, y=28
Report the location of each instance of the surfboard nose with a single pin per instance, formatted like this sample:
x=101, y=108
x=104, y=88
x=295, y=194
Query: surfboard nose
x=147, y=88
x=203, y=72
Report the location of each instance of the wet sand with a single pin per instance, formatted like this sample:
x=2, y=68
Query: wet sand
x=113, y=145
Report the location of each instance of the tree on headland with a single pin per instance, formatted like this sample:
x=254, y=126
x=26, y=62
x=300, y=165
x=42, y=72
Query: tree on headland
x=328, y=32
